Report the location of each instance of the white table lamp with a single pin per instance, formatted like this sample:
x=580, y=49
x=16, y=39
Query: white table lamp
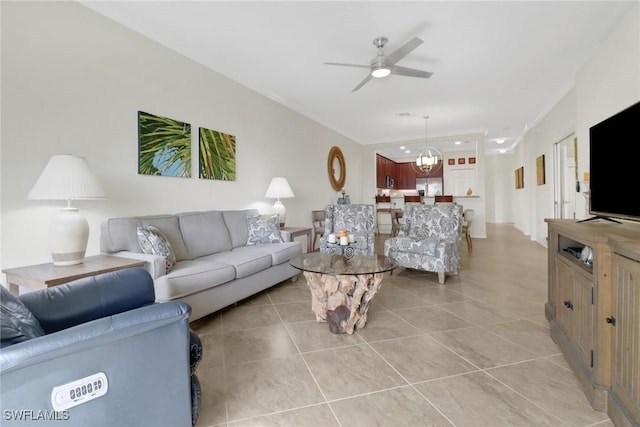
x=67, y=177
x=279, y=189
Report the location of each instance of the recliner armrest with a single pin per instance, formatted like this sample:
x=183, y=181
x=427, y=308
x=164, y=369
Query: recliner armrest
x=144, y=354
x=90, y=298
x=92, y=334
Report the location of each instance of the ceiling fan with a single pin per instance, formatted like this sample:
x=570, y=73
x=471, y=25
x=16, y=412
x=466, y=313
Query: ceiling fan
x=382, y=66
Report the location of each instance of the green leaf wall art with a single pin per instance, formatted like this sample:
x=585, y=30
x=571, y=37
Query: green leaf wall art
x=217, y=155
x=164, y=146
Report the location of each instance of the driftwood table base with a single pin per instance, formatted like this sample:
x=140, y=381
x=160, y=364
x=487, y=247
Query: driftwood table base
x=342, y=300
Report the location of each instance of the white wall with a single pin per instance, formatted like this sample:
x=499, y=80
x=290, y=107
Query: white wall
x=554, y=127
x=499, y=184
x=73, y=82
x=609, y=82
x=606, y=84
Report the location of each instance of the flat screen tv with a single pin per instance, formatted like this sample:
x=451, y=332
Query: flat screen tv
x=614, y=171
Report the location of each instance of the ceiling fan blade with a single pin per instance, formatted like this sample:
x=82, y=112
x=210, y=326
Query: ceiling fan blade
x=410, y=72
x=362, y=83
x=404, y=50
x=348, y=65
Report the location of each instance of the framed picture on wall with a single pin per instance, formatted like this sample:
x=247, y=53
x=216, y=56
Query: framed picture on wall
x=540, y=170
x=451, y=162
x=164, y=146
x=217, y=155
x=519, y=177
x=472, y=160
x=461, y=160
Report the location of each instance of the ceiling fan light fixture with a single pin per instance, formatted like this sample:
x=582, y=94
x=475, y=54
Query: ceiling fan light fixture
x=384, y=65
x=380, y=71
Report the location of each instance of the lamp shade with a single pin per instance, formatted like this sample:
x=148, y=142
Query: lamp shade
x=67, y=177
x=279, y=189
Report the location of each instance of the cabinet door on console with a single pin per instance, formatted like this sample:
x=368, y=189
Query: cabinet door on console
x=575, y=309
x=564, y=295
x=625, y=321
x=584, y=312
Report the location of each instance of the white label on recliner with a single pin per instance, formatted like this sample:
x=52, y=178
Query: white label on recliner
x=80, y=391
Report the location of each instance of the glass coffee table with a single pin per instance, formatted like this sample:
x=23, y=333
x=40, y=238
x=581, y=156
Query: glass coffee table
x=342, y=287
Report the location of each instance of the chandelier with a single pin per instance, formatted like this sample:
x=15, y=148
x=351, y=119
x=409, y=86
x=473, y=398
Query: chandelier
x=430, y=159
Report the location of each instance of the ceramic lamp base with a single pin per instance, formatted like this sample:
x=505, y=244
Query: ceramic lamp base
x=68, y=237
x=278, y=208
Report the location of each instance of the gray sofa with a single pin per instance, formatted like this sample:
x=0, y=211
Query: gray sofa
x=214, y=265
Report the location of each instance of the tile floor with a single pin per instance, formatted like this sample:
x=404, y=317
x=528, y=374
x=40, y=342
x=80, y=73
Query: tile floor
x=473, y=352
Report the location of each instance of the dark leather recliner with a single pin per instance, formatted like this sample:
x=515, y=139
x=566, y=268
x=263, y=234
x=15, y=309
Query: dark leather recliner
x=104, y=325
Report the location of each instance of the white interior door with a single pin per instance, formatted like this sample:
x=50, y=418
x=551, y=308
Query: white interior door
x=566, y=177
x=460, y=181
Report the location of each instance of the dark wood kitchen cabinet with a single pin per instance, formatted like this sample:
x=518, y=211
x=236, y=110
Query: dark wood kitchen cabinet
x=405, y=176
x=384, y=167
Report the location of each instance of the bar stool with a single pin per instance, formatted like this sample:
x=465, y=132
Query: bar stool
x=447, y=198
x=386, y=209
x=412, y=199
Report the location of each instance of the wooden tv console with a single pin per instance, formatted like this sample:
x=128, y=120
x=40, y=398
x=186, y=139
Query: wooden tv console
x=593, y=311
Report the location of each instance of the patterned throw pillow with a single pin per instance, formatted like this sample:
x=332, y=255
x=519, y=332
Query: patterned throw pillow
x=263, y=229
x=153, y=242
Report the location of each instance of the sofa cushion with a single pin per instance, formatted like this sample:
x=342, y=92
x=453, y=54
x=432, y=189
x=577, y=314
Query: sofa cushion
x=17, y=323
x=423, y=246
x=244, y=263
x=169, y=226
x=237, y=224
x=279, y=252
x=153, y=242
x=119, y=234
x=205, y=233
x=189, y=277
x=263, y=229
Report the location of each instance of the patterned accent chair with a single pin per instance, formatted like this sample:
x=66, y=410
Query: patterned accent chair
x=357, y=219
x=429, y=238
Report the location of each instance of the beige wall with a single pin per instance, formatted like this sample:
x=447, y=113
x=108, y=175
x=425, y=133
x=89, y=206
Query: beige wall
x=73, y=82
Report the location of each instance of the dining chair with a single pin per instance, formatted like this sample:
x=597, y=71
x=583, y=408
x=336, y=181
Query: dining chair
x=383, y=205
x=317, y=220
x=467, y=220
x=396, y=214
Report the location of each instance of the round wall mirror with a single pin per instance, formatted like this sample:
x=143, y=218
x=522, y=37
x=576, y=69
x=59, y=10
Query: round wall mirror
x=337, y=168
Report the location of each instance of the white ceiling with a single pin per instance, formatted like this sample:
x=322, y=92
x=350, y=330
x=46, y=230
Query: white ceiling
x=497, y=66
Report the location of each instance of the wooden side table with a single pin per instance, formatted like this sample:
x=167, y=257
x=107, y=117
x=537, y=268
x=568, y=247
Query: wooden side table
x=43, y=276
x=300, y=231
